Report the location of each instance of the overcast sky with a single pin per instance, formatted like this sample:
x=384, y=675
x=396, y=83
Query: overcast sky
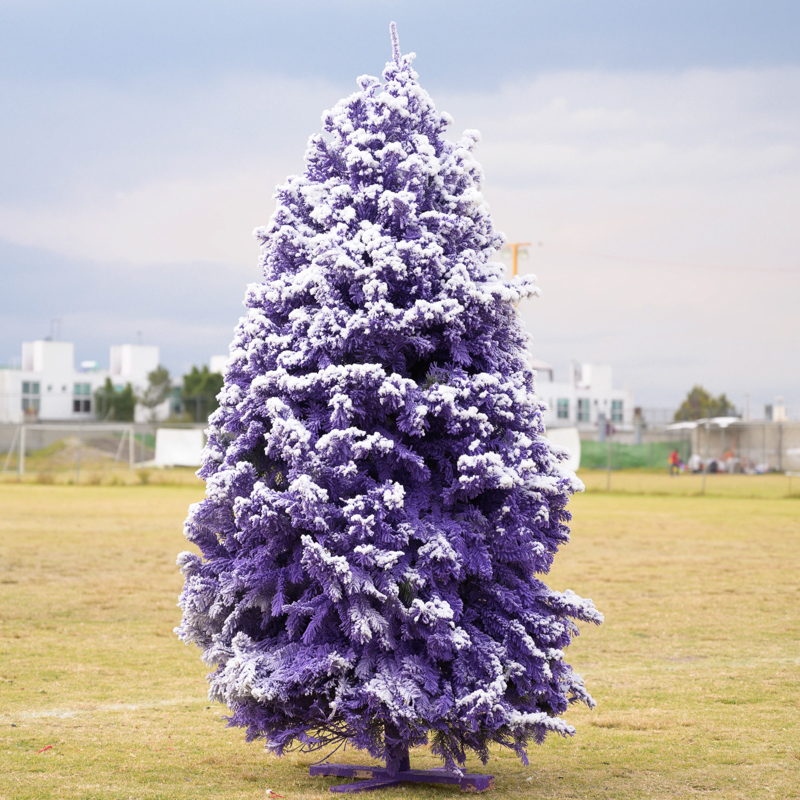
x=648, y=150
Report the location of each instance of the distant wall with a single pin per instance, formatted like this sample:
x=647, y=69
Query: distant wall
x=179, y=447
x=569, y=439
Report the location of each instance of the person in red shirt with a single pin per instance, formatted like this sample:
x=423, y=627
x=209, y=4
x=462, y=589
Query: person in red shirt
x=674, y=463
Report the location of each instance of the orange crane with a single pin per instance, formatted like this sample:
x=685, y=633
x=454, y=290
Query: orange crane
x=514, y=253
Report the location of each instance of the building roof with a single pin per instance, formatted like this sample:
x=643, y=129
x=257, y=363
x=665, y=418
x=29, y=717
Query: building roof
x=719, y=422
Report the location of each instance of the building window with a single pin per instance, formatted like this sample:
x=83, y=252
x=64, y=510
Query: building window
x=82, y=398
x=616, y=410
x=31, y=398
x=175, y=402
x=562, y=408
x=584, y=409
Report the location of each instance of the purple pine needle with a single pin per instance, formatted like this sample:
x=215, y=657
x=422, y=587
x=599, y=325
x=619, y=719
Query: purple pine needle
x=380, y=496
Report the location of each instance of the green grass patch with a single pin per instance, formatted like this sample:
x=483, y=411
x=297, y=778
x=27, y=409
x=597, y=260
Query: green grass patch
x=653, y=455
x=147, y=439
x=695, y=671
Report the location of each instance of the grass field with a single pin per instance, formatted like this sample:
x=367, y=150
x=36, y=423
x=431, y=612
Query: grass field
x=695, y=671
x=658, y=483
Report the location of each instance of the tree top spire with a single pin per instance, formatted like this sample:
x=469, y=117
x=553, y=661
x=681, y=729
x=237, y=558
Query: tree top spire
x=395, y=42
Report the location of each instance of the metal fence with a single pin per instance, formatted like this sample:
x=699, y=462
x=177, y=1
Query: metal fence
x=725, y=445
x=740, y=446
x=749, y=445
x=619, y=455
x=53, y=448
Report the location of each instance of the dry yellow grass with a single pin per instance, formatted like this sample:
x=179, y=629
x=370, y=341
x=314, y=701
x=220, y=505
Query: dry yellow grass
x=771, y=486
x=94, y=474
x=695, y=671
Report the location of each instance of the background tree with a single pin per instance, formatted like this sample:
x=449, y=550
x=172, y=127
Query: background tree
x=699, y=404
x=199, y=392
x=118, y=404
x=380, y=496
x=158, y=389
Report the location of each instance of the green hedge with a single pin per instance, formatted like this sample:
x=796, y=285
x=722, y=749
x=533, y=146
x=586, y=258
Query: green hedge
x=654, y=455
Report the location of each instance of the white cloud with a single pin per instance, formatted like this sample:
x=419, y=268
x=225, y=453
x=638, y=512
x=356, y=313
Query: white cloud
x=699, y=167
x=153, y=173
x=207, y=217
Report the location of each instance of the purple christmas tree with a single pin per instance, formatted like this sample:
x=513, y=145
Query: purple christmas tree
x=380, y=496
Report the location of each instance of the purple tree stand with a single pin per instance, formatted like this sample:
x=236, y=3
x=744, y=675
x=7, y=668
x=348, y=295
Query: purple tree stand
x=381, y=778
x=397, y=770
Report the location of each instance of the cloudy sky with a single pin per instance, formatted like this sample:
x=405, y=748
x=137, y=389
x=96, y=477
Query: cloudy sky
x=649, y=150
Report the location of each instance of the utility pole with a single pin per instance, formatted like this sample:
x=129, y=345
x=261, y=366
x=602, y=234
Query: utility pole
x=515, y=253
x=708, y=453
x=78, y=460
x=21, y=459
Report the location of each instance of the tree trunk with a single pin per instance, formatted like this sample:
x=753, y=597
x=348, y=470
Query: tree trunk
x=397, y=758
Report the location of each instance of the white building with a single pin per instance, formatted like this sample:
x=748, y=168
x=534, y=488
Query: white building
x=586, y=400
x=50, y=388
x=131, y=363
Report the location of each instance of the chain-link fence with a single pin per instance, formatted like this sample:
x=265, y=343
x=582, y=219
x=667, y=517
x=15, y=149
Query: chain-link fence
x=618, y=455
x=93, y=451
x=48, y=449
x=748, y=446
x=716, y=445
